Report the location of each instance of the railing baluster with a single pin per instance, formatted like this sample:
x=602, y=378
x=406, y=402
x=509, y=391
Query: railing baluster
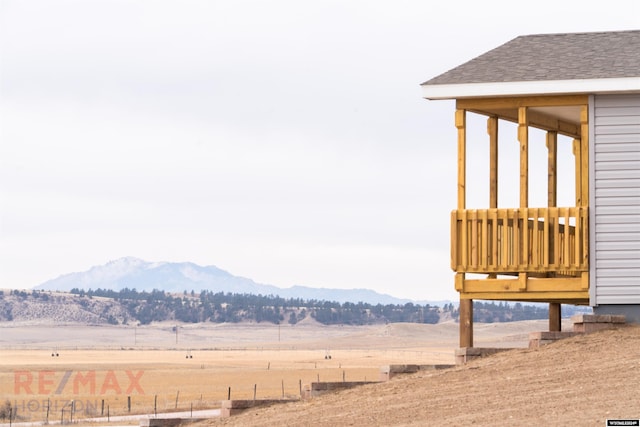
x=516, y=237
x=494, y=239
x=557, y=254
x=584, y=234
x=535, y=235
x=577, y=239
x=507, y=243
x=456, y=243
x=567, y=239
x=546, y=245
x=484, y=248
x=526, y=249
x=465, y=248
x=520, y=240
x=474, y=239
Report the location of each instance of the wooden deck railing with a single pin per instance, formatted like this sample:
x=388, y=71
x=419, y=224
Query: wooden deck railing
x=511, y=241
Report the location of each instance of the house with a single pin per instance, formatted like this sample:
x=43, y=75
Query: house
x=581, y=89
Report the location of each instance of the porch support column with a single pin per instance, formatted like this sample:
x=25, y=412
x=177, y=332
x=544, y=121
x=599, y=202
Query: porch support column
x=555, y=309
x=492, y=130
x=552, y=170
x=466, y=305
x=462, y=158
x=584, y=148
x=582, y=194
x=584, y=190
x=577, y=153
x=523, y=137
x=466, y=323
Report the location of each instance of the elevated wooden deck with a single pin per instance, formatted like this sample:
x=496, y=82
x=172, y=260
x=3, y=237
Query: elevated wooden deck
x=528, y=254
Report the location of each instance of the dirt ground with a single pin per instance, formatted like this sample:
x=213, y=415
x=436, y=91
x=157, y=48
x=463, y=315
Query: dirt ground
x=580, y=381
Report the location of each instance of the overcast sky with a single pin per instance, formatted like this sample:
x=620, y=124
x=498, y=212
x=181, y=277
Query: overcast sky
x=284, y=141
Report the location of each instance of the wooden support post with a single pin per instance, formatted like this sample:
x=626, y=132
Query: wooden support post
x=492, y=130
x=466, y=323
x=523, y=137
x=466, y=306
x=577, y=153
x=555, y=313
x=462, y=157
x=552, y=169
x=584, y=166
x=555, y=317
x=584, y=138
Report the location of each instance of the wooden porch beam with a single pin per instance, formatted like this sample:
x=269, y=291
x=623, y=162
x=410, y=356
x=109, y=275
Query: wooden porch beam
x=575, y=298
x=517, y=102
x=510, y=286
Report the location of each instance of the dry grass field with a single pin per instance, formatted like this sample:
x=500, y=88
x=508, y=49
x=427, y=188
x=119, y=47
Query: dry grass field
x=171, y=367
x=193, y=368
x=579, y=381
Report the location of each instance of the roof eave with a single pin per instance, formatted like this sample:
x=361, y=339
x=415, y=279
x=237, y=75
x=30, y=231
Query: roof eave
x=531, y=88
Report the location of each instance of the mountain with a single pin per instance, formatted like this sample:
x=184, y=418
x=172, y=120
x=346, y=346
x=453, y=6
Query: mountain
x=134, y=273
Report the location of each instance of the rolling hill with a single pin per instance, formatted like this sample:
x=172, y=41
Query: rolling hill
x=173, y=277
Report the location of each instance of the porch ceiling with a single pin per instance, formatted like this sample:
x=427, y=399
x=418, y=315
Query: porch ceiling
x=569, y=113
x=564, y=119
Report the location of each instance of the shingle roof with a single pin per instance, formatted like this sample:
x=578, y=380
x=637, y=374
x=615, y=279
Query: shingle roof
x=552, y=57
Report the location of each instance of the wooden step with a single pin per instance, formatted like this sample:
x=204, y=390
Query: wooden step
x=586, y=323
x=538, y=339
x=467, y=354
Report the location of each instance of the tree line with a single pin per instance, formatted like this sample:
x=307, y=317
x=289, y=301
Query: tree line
x=146, y=307
x=143, y=307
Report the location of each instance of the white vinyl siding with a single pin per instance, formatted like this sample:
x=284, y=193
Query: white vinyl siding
x=615, y=200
